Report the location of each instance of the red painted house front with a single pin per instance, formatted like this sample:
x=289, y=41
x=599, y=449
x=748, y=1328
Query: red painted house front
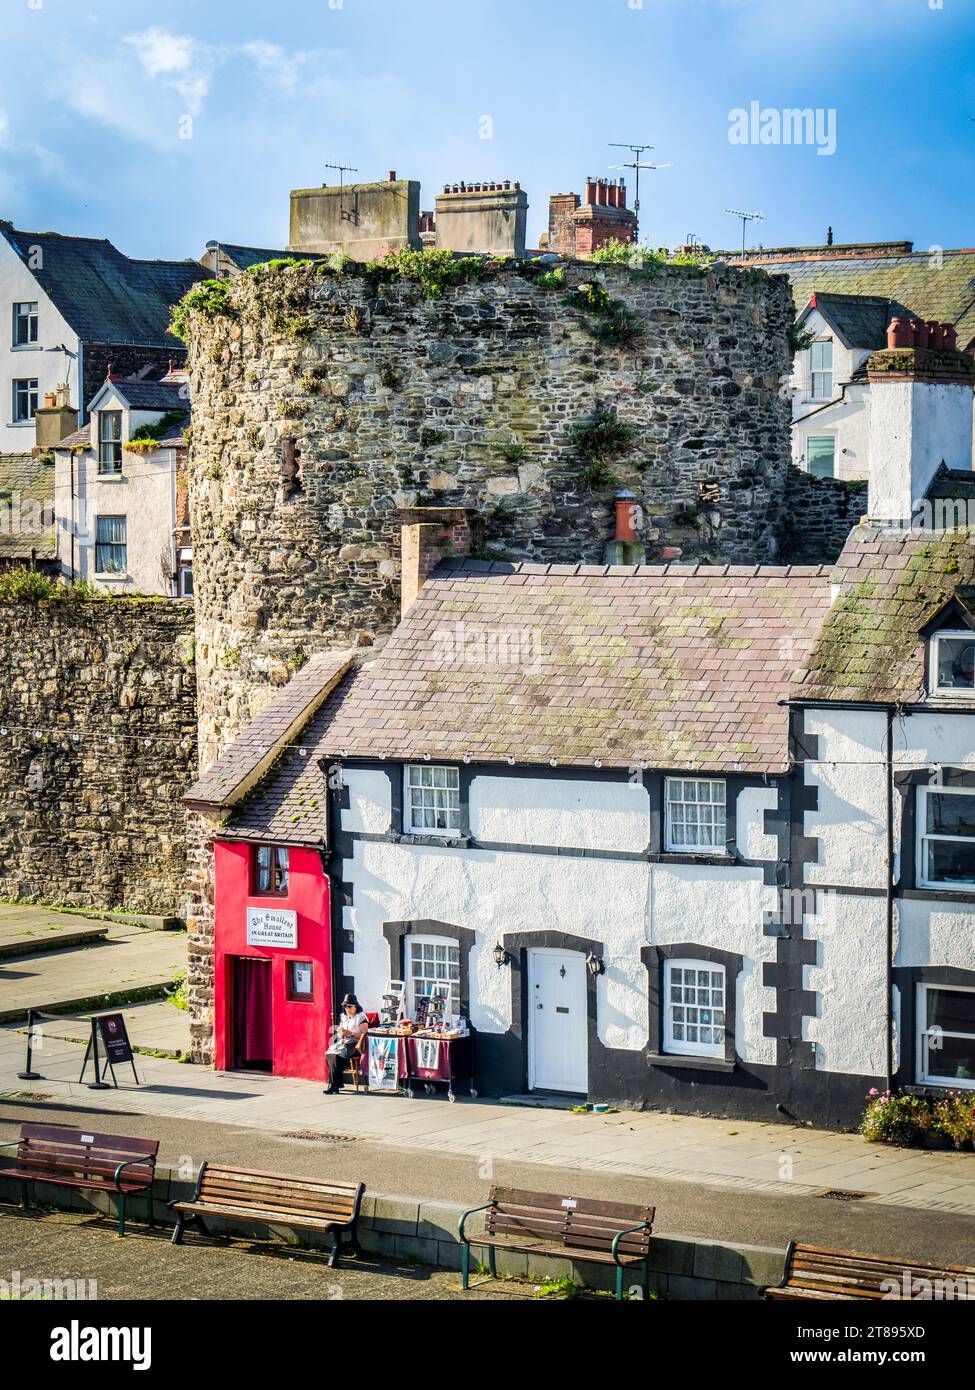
x=272, y=1002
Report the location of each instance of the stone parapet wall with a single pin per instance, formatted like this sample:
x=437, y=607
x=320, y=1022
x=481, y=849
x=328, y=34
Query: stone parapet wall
x=97, y=746
x=324, y=402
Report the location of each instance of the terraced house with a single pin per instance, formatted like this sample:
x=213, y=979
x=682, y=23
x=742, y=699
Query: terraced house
x=847, y=298
x=696, y=837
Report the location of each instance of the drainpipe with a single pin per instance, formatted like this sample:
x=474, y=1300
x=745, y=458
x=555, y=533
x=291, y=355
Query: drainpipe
x=889, y=898
x=73, y=522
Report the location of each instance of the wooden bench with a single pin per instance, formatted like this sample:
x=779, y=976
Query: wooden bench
x=812, y=1272
x=79, y=1158
x=273, y=1199
x=576, y=1228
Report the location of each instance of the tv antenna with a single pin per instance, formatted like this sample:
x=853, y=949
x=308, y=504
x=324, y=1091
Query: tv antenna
x=342, y=170
x=746, y=217
x=637, y=164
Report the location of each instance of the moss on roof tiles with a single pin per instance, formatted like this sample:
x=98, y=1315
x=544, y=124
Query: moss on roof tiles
x=869, y=648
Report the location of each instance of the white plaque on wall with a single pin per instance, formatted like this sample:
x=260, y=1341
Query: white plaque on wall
x=272, y=926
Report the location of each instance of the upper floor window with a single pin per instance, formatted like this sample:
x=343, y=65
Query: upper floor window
x=694, y=814
x=821, y=455
x=111, y=549
x=946, y=1035
x=432, y=799
x=271, y=870
x=109, y=441
x=952, y=662
x=694, y=1008
x=25, y=399
x=946, y=837
x=25, y=324
x=821, y=370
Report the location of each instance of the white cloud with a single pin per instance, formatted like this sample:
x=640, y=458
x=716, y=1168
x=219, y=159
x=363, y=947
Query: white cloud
x=182, y=64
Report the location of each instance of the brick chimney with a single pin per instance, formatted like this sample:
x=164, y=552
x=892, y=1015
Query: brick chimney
x=429, y=535
x=920, y=409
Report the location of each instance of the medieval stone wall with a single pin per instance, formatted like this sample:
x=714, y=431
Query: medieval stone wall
x=97, y=746
x=818, y=516
x=324, y=402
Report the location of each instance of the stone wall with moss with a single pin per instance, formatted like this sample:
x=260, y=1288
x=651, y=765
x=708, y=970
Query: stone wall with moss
x=325, y=398
x=97, y=747
x=818, y=516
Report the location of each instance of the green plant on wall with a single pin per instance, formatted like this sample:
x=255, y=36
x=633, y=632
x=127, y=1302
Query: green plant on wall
x=603, y=436
x=434, y=270
x=210, y=299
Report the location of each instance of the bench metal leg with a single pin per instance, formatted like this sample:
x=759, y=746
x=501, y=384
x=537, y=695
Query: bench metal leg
x=152, y=1198
x=335, y=1251
x=24, y=1196
x=619, y=1283
x=121, y=1214
x=491, y=1262
x=465, y=1266
x=179, y=1228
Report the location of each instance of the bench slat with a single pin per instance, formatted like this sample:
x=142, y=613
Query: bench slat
x=289, y=1178
x=545, y=1247
x=816, y=1272
x=627, y=1213
x=266, y=1216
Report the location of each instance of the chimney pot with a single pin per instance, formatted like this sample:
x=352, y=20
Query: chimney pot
x=626, y=514
x=392, y=176
x=950, y=336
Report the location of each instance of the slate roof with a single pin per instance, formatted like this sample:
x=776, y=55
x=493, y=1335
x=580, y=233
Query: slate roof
x=33, y=481
x=245, y=256
x=668, y=665
x=152, y=395
x=860, y=321
x=254, y=751
x=892, y=582
x=952, y=484
x=913, y=284
x=104, y=295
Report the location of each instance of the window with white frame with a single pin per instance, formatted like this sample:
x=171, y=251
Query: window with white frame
x=946, y=837
x=694, y=814
x=821, y=455
x=821, y=370
x=952, y=663
x=109, y=441
x=694, y=1008
x=434, y=968
x=432, y=799
x=25, y=324
x=25, y=399
x=946, y=1035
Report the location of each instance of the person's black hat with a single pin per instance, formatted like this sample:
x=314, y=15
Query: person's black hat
x=351, y=999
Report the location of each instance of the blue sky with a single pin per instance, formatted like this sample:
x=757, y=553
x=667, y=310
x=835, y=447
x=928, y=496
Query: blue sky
x=95, y=96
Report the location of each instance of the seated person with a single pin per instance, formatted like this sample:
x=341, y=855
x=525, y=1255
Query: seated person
x=347, y=1035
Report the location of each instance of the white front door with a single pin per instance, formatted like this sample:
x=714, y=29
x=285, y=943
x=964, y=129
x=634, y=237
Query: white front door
x=558, y=1026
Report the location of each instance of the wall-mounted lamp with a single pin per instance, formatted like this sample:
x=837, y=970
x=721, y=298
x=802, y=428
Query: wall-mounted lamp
x=595, y=964
x=501, y=957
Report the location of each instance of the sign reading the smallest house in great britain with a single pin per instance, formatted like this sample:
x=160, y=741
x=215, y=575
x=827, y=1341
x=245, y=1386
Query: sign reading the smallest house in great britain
x=272, y=926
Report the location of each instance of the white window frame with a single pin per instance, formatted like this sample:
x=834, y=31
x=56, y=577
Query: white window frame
x=680, y=1047
x=114, y=545
x=109, y=463
x=948, y=691
x=410, y=785
x=807, y=456
x=673, y=847
x=921, y=858
x=453, y=996
x=924, y=1074
x=822, y=374
x=33, y=324
x=33, y=399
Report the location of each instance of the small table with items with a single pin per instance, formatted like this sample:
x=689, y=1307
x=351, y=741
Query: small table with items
x=400, y=1060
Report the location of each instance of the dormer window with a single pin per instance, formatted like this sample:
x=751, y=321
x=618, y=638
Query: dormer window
x=952, y=663
x=109, y=441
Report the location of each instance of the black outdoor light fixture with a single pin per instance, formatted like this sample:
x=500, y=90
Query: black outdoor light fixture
x=501, y=957
x=596, y=964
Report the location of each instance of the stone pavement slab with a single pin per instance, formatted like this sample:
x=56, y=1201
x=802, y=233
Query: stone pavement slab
x=772, y=1159
x=128, y=959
